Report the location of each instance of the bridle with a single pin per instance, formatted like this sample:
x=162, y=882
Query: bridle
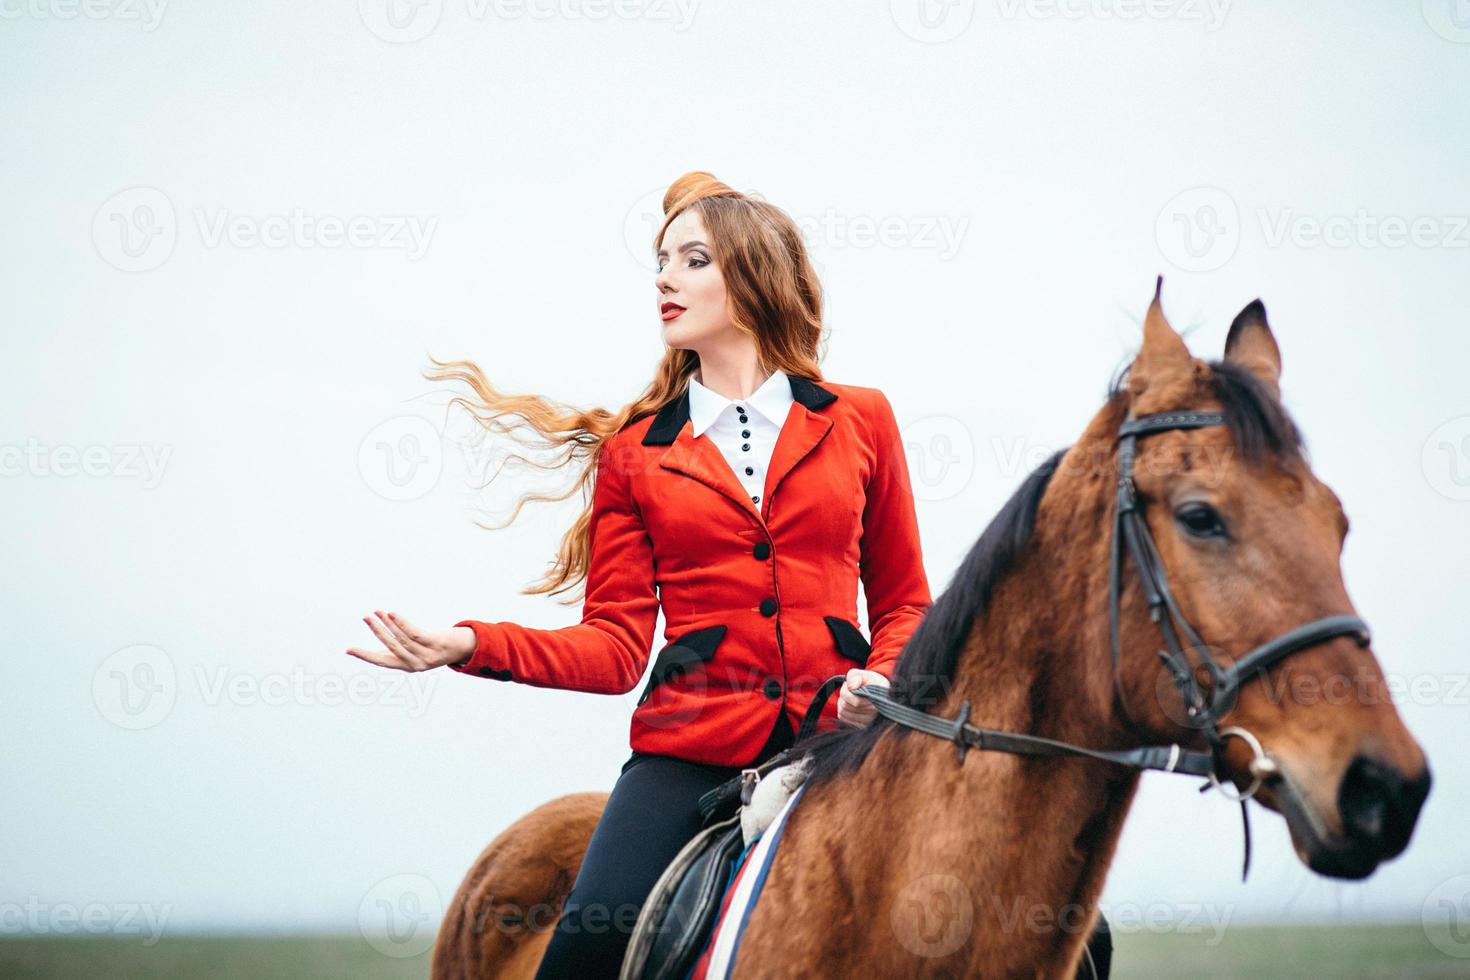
x=1205, y=705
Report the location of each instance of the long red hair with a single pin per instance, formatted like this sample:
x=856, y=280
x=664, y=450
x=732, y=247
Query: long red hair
x=774, y=297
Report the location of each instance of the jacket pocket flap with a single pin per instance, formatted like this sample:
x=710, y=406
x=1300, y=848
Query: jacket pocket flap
x=681, y=654
x=848, y=639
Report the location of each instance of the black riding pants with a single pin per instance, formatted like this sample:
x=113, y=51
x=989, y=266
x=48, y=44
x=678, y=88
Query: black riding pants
x=652, y=813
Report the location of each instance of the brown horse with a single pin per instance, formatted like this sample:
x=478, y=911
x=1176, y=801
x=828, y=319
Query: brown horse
x=920, y=862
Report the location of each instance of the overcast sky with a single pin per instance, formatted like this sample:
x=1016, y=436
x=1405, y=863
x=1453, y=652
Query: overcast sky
x=235, y=233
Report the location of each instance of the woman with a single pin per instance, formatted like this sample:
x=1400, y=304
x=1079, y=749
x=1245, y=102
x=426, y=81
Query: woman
x=745, y=497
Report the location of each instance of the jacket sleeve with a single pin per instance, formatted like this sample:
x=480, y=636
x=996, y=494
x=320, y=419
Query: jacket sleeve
x=891, y=560
x=608, y=650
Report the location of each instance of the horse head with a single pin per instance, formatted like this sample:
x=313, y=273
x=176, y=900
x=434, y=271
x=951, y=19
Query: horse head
x=1249, y=542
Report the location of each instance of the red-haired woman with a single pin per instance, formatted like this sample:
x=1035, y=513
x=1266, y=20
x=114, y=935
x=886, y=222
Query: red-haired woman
x=746, y=496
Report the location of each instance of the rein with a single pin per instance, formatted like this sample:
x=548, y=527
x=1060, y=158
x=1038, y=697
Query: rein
x=1205, y=706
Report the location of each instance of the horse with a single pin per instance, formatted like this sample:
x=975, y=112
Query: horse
x=908, y=856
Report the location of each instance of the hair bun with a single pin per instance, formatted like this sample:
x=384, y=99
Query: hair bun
x=694, y=186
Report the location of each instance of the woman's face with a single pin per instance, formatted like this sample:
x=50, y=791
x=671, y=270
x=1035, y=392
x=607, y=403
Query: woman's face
x=691, y=290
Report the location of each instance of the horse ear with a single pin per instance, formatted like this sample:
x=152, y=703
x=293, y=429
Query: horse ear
x=1251, y=344
x=1163, y=356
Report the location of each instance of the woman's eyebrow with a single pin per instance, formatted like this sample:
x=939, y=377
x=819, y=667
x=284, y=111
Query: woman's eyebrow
x=683, y=248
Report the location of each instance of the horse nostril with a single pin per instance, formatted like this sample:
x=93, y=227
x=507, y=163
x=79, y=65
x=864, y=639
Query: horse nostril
x=1379, y=806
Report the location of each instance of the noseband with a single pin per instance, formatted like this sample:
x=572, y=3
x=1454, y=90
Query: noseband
x=1205, y=705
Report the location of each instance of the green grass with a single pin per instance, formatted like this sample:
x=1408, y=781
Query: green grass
x=1353, y=952
x=1344, y=952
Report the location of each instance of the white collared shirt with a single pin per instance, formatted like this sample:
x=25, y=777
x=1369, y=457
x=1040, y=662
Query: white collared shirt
x=745, y=430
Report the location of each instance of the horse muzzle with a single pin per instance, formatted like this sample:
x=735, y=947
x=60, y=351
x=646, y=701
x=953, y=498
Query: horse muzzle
x=1377, y=809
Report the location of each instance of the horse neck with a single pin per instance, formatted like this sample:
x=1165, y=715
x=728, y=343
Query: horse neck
x=1034, y=838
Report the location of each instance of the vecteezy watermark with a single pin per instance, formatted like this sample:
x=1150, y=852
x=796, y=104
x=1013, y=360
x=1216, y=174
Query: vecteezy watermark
x=398, y=915
x=933, y=915
x=1362, y=229
x=34, y=917
x=940, y=452
x=940, y=234
x=1210, y=13
x=298, y=686
x=138, y=687
x=1172, y=918
x=1445, y=916
x=932, y=21
x=406, y=21
x=297, y=229
x=137, y=229
x=402, y=458
x=135, y=687
x=147, y=13
x=123, y=461
x=1017, y=456
x=1199, y=229
x=1450, y=19
x=1446, y=459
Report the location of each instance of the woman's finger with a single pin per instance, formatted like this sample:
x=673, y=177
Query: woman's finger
x=391, y=641
x=380, y=658
x=407, y=630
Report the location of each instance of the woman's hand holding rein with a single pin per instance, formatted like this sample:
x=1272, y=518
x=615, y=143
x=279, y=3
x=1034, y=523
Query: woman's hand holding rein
x=410, y=648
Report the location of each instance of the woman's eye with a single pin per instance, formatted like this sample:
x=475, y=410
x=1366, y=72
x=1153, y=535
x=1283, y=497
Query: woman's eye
x=1200, y=520
x=696, y=262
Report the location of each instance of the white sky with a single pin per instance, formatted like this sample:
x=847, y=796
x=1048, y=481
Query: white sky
x=1031, y=174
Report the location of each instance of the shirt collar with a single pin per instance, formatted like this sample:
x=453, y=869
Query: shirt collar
x=773, y=399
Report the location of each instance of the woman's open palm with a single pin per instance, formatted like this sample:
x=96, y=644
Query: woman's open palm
x=410, y=648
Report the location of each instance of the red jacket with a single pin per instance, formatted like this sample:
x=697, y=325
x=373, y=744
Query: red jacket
x=760, y=604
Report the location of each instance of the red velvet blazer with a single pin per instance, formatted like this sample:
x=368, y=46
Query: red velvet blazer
x=760, y=604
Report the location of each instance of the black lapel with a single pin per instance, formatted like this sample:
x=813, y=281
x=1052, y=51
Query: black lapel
x=671, y=418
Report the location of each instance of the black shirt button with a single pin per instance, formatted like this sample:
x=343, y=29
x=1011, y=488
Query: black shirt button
x=740, y=409
x=772, y=689
x=743, y=420
x=768, y=607
x=756, y=499
x=745, y=433
x=749, y=471
x=745, y=446
x=762, y=550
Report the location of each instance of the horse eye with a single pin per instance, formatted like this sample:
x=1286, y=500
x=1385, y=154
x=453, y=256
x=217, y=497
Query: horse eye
x=1200, y=520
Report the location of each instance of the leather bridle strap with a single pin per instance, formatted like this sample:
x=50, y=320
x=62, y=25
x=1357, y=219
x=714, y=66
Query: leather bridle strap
x=1161, y=758
x=1205, y=708
x=1267, y=654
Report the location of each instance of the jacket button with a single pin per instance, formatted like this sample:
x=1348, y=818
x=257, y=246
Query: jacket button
x=772, y=689
x=762, y=550
x=768, y=607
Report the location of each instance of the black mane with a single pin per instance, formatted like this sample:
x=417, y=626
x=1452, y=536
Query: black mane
x=1261, y=428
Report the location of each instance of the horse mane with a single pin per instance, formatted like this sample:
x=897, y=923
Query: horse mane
x=1261, y=429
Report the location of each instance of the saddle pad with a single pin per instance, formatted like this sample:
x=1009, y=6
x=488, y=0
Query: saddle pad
x=718, y=957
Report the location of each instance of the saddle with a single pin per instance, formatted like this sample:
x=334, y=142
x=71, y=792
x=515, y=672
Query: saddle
x=675, y=921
